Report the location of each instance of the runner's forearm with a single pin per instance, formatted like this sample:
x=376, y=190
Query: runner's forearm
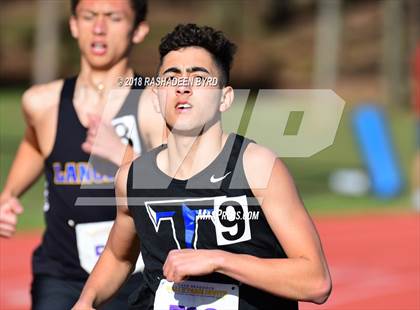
x=106, y=278
x=25, y=170
x=294, y=278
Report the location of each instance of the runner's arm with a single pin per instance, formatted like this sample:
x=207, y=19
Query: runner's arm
x=119, y=257
x=25, y=170
x=26, y=167
x=102, y=140
x=304, y=274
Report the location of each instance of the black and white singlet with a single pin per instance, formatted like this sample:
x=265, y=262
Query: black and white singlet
x=214, y=209
x=75, y=234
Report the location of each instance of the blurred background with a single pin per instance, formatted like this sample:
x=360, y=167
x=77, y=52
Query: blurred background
x=362, y=49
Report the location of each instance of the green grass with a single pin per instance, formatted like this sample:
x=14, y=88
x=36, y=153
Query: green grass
x=310, y=174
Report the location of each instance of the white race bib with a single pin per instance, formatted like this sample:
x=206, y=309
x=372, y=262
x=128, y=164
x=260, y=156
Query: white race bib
x=126, y=128
x=193, y=295
x=91, y=239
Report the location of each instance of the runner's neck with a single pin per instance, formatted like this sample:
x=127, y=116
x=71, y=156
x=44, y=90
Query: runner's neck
x=101, y=81
x=185, y=155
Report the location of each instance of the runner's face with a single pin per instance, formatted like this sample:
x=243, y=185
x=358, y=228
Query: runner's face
x=104, y=31
x=187, y=107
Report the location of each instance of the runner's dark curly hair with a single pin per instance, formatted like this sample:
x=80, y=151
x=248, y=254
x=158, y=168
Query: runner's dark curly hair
x=206, y=37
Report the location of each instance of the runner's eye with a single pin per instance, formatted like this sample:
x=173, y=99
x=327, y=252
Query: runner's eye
x=87, y=16
x=116, y=17
x=200, y=77
x=169, y=78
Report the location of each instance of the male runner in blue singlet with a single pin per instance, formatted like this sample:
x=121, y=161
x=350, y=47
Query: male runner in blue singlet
x=62, y=119
x=215, y=215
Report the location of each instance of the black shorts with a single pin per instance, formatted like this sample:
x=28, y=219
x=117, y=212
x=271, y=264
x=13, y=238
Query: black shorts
x=50, y=293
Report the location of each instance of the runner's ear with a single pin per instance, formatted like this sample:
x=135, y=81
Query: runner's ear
x=140, y=32
x=149, y=97
x=227, y=98
x=155, y=99
x=74, y=29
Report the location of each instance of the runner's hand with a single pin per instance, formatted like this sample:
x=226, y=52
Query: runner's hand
x=10, y=208
x=180, y=264
x=102, y=141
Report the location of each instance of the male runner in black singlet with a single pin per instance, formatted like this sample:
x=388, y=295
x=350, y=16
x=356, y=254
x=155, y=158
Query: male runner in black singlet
x=215, y=213
x=62, y=120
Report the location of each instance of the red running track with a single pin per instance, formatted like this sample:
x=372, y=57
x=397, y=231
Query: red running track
x=374, y=262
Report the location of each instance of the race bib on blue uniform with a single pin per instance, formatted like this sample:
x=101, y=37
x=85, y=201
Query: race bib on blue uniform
x=194, y=295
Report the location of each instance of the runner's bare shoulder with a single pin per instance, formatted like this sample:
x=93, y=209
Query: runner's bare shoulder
x=41, y=100
x=258, y=162
x=269, y=178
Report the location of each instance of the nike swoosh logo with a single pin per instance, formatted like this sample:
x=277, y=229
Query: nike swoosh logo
x=213, y=179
